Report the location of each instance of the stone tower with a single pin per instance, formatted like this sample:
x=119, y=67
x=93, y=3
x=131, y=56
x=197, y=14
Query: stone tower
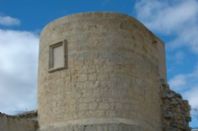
x=100, y=72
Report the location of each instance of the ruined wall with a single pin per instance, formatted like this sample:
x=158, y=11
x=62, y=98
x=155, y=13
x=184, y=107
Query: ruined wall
x=112, y=77
x=12, y=123
x=114, y=80
x=175, y=110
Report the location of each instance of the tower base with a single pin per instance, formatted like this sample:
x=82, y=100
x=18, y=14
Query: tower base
x=95, y=127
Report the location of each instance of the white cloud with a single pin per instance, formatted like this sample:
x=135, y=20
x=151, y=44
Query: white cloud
x=9, y=21
x=187, y=37
x=164, y=16
x=172, y=17
x=178, y=82
x=18, y=70
x=185, y=81
x=187, y=85
x=193, y=97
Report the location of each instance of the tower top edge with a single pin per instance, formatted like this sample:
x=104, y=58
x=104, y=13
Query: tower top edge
x=99, y=14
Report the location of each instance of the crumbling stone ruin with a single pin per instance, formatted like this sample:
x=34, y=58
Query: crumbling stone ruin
x=23, y=122
x=175, y=111
x=104, y=72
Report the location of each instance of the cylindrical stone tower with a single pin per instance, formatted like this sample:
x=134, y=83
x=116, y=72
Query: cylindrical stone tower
x=99, y=72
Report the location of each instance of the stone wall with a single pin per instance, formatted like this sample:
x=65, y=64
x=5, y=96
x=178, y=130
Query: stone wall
x=112, y=73
x=111, y=81
x=98, y=127
x=15, y=123
x=175, y=111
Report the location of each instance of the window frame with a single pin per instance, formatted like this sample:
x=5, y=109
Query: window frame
x=51, y=67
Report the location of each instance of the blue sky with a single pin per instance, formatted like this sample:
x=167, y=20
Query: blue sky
x=174, y=21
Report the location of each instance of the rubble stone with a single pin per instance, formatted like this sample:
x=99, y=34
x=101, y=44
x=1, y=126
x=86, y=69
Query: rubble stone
x=175, y=110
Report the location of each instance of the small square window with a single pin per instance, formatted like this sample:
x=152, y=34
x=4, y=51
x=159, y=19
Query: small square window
x=57, y=57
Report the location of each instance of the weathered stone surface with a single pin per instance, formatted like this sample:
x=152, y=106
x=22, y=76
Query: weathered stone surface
x=114, y=67
x=175, y=110
x=98, y=127
x=109, y=79
x=18, y=123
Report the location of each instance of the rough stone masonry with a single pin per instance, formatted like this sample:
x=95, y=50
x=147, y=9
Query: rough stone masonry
x=105, y=72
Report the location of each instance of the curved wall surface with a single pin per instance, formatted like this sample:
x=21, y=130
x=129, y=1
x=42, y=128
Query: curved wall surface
x=111, y=79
